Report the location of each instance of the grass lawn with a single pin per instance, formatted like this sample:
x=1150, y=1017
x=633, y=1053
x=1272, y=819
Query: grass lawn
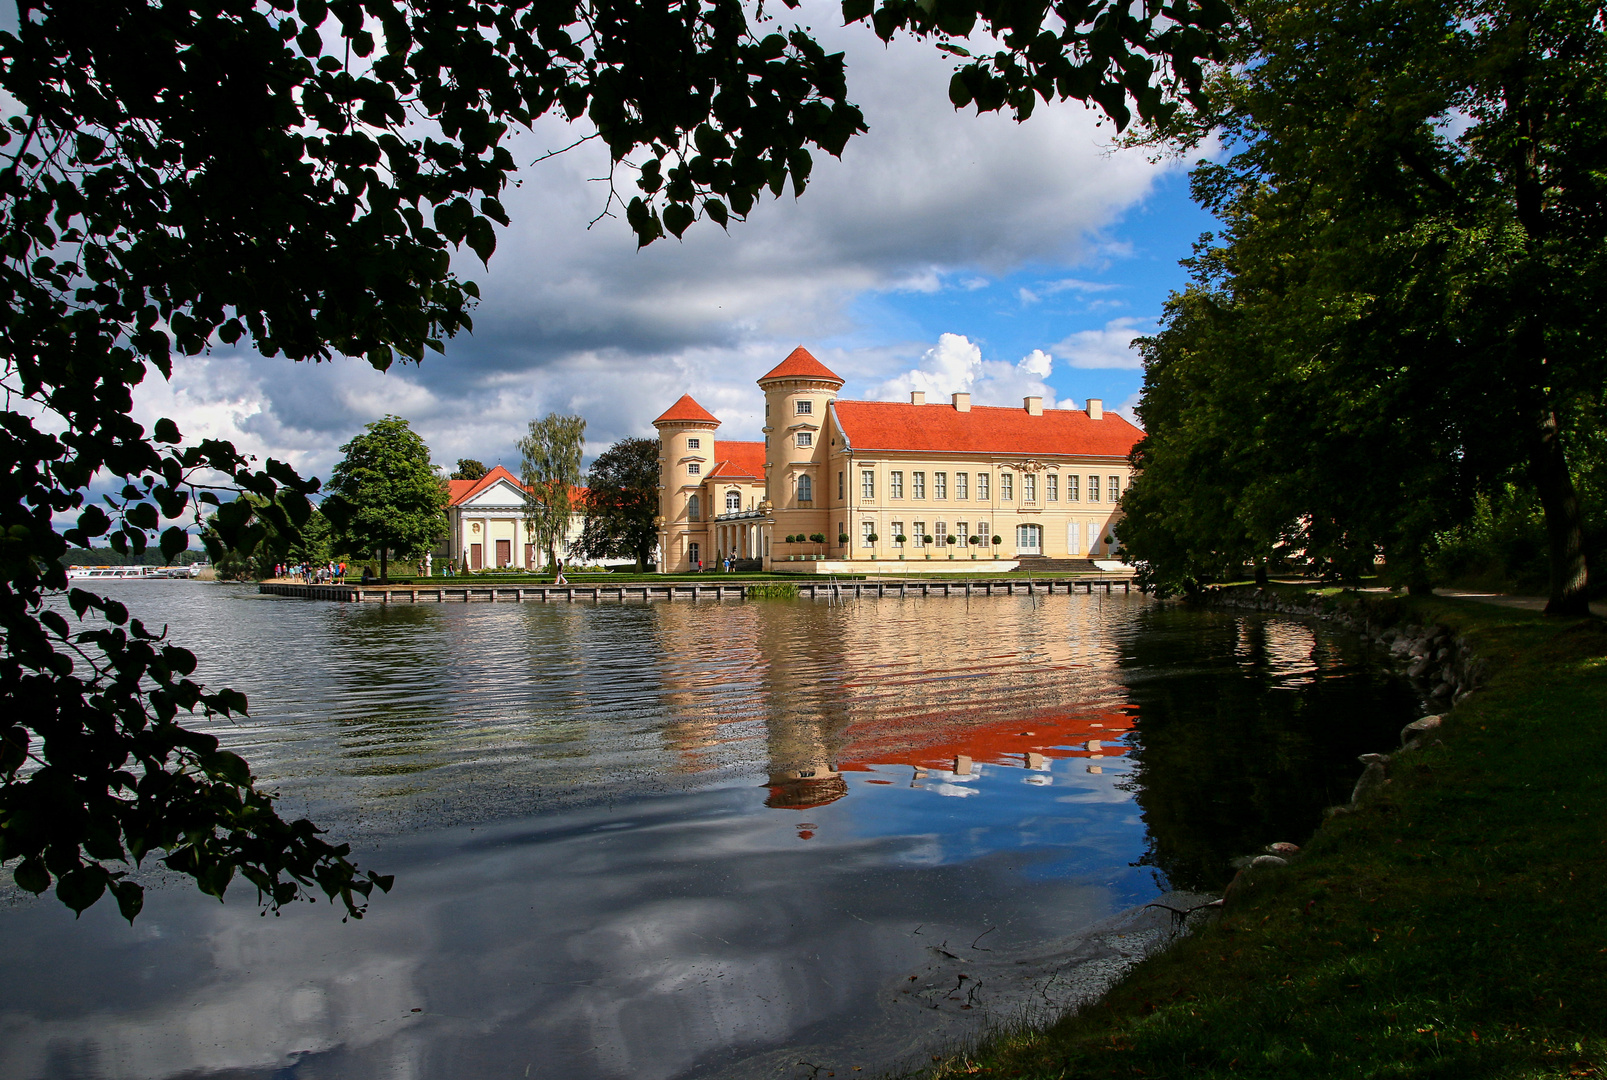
x=1455, y=928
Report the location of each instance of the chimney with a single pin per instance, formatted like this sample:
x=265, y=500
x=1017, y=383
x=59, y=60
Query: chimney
x=1034, y=405
x=917, y=397
x=1096, y=409
x=962, y=402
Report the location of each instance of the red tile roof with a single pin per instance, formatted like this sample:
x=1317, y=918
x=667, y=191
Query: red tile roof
x=461, y=491
x=800, y=365
x=738, y=459
x=687, y=410
x=890, y=425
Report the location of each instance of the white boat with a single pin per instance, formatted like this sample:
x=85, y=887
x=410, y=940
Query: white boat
x=75, y=573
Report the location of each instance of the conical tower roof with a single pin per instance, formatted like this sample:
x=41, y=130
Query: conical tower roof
x=799, y=364
x=686, y=411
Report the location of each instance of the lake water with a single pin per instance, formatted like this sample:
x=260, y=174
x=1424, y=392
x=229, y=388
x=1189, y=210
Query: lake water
x=697, y=839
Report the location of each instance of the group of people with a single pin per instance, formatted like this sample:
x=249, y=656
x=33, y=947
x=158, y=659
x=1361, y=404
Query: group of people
x=310, y=574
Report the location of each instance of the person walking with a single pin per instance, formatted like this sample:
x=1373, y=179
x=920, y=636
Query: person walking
x=558, y=578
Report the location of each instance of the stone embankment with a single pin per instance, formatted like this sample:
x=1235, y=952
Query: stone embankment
x=1434, y=657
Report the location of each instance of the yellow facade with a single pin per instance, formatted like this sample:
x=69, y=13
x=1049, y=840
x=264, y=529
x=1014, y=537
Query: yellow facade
x=1049, y=495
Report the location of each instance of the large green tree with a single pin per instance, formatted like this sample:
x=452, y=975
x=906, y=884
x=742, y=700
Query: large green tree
x=469, y=469
x=1416, y=221
x=292, y=178
x=385, y=498
x=551, y=452
x=621, y=502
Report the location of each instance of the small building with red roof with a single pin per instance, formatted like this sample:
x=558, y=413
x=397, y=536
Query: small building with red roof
x=839, y=481
x=486, y=528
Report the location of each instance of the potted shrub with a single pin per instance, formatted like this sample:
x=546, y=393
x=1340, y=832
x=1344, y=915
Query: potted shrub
x=900, y=540
x=872, y=537
x=975, y=541
x=926, y=542
x=842, y=539
x=949, y=540
x=996, y=542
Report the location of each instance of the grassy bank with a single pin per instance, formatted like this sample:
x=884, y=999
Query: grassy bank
x=1455, y=927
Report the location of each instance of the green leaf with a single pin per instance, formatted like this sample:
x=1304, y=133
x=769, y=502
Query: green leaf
x=482, y=239
x=228, y=767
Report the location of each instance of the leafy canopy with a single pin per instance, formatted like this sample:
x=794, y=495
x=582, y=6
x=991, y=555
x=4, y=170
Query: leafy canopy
x=551, y=450
x=384, y=495
x=621, y=502
x=1398, y=317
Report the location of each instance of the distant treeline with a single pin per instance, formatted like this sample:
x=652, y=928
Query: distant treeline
x=108, y=557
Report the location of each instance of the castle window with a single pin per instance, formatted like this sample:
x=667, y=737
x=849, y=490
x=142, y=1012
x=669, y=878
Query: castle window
x=840, y=495
x=733, y=501
x=694, y=469
x=692, y=509
x=898, y=530
x=918, y=485
x=694, y=444
x=1093, y=489
x=804, y=407
x=940, y=533
x=866, y=529
x=919, y=535
x=961, y=485
x=805, y=439
x=1115, y=487
x=1051, y=488
x=982, y=485
x=962, y=533
x=940, y=485
x=895, y=484
x=1029, y=538
x=1007, y=486
x=806, y=489
x=1029, y=487
x=982, y=531
x=1072, y=494
x=867, y=484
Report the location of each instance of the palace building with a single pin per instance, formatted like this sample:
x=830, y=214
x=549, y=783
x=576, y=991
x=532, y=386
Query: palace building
x=1046, y=483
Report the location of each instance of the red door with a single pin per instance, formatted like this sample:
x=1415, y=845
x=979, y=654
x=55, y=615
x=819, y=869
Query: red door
x=504, y=552
x=474, y=557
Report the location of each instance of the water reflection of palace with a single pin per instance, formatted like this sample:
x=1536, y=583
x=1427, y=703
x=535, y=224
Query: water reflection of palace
x=936, y=686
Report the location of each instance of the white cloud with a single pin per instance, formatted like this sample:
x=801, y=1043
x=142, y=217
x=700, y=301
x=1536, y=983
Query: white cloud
x=955, y=365
x=1111, y=347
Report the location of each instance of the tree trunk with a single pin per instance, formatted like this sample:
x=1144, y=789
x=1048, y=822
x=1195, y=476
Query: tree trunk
x=384, y=566
x=1261, y=573
x=1565, y=532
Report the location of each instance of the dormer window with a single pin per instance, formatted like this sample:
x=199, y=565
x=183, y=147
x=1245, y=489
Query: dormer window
x=805, y=407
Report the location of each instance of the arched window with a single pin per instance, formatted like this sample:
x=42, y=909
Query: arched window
x=733, y=501
x=693, y=511
x=1029, y=538
x=806, y=489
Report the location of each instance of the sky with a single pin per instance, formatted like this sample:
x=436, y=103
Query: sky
x=943, y=252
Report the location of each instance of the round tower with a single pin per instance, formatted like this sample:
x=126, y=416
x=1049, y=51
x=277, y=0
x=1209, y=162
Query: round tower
x=797, y=396
x=685, y=455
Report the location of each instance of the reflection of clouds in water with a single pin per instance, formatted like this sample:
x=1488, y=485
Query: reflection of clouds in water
x=952, y=789
x=702, y=932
